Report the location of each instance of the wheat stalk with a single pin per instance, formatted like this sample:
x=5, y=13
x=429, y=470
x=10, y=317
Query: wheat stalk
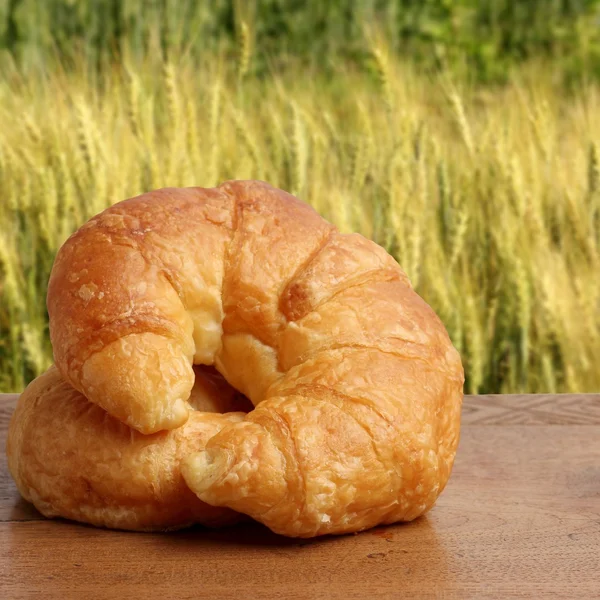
x=491, y=206
x=245, y=50
x=463, y=123
x=382, y=62
x=299, y=150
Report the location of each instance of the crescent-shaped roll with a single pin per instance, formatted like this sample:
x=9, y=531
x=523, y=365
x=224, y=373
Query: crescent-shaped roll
x=71, y=459
x=356, y=386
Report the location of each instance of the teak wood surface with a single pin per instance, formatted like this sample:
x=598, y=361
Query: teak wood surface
x=519, y=518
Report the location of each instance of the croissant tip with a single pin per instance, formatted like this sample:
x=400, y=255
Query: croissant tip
x=203, y=469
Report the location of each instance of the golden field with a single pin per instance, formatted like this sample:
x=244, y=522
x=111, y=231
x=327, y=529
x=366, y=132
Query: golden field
x=489, y=198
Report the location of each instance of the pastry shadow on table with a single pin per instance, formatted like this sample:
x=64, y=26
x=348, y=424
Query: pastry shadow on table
x=247, y=533
x=255, y=535
x=24, y=511
x=402, y=549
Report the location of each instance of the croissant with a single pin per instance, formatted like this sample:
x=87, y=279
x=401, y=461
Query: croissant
x=72, y=459
x=355, y=384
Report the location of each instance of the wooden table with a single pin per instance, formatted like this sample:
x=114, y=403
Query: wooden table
x=519, y=518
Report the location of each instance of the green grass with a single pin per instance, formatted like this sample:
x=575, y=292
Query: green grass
x=480, y=39
x=489, y=198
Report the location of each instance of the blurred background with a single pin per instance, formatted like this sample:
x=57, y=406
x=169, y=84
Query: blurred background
x=463, y=136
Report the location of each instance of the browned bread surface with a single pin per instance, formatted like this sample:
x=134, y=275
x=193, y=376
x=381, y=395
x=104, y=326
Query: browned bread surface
x=72, y=459
x=356, y=386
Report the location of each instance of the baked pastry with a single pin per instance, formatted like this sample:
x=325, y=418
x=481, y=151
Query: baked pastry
x=356, y=386
x=72, y=459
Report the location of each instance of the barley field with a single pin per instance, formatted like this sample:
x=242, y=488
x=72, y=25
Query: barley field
x=488, y=197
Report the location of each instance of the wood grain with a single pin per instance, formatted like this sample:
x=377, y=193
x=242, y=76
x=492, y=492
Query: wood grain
x=532, y=409
x=520, y=518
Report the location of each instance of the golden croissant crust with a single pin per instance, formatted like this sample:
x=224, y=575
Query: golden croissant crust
x=356, y=386
x=72, y=459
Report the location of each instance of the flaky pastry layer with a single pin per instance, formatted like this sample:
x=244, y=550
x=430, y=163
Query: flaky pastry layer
x=356, y=386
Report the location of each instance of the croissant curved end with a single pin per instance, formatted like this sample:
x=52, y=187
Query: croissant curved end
x=203, y=469
x=355, y=385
